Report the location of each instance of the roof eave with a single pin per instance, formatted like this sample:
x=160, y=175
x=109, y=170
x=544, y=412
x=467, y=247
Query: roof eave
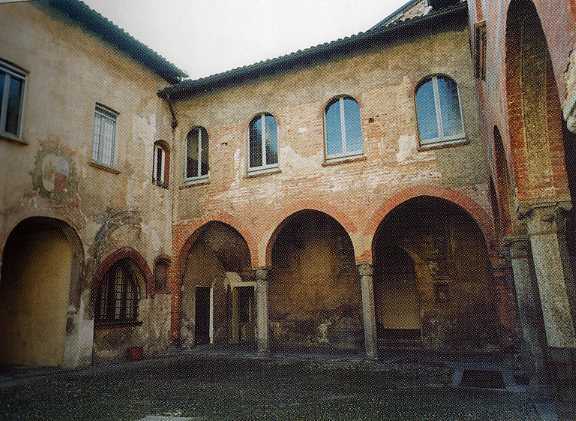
x=105, y=29
x=366, y=39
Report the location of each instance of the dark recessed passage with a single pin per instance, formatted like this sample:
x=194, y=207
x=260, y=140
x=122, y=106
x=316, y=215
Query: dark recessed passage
x=484, y=379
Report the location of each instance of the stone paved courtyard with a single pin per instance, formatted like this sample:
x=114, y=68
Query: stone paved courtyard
x=225, y=389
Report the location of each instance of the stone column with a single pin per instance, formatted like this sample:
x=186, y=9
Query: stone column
x=546, y=230
x=529, y=310
x=368, y=313
x=262, y=310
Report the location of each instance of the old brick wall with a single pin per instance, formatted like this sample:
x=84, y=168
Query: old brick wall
x=356, y=193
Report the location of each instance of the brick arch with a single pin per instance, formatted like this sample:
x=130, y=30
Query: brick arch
x=479, y=215
x=184, y=236
x=503, y=184
x=535, y=133
x=342, y=219
x=124, y=253
x=184, y=240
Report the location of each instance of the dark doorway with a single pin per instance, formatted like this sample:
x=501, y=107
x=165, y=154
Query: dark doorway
x=246, y=314
x=202, y=332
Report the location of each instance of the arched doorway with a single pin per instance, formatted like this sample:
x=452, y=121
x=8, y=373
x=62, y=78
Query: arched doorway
x=218, y=300
x=432, y=279
x=40, y=282
x=396, y=296
x=314, y=288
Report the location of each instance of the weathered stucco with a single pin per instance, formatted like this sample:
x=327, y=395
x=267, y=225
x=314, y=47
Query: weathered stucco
x=49, y=174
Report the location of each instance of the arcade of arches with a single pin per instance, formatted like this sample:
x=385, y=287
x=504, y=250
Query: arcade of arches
x=431, y=287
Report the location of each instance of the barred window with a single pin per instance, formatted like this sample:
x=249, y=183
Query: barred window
x=104, y=139
x=117, y=296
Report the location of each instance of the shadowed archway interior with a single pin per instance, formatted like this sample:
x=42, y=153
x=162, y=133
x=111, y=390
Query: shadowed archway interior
x=432, y=279
x=314, y=290
x=217, y=263
x=37, y=273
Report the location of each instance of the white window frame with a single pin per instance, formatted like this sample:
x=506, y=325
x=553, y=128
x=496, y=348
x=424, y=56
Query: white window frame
x=161, y=181
x=265, y=166
x=343, y=138
x=199, y=177
x=440, y=126
x=106, y=113
x=12, y=72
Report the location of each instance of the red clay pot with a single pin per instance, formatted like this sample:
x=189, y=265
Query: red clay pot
x=135, y=353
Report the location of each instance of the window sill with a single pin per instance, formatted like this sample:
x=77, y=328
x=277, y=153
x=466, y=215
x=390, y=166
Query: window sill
x=162, y=186
x=444, y=144
x=115, y=325
x=252, y=173
x=343, y=160
x=103, y=167
x=11, y=138
x=196, y=182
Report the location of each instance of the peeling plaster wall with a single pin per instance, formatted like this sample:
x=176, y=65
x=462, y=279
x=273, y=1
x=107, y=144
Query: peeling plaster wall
x=69, y=71
x=314, y=287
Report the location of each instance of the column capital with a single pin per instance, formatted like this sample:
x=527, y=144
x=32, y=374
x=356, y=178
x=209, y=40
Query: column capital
x=570, y=113
x=261, y=274
x=365, y=269
x=518, y=246
x=545, y=218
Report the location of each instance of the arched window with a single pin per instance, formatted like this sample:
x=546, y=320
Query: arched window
x=161, y=163
x=117, y=295
x=342, y=128
x=438, y=111
x=197, y=154
x=263, y=142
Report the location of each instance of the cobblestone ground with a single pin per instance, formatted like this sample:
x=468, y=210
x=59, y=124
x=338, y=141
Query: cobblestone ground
x=223, y=389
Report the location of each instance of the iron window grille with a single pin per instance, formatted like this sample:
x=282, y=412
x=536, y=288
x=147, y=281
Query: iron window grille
x=117, y=296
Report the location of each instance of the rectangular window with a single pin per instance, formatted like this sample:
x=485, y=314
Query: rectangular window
x=12, y=84
x=480, y=50
x=104, y=141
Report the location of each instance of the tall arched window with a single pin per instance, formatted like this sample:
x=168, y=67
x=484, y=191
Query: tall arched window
x=263, y=142
x=438, y=111
x=197, y=154
x=117, y=295
x=342, y=128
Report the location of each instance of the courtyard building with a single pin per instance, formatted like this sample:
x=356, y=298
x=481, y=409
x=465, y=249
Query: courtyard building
x=406, y=188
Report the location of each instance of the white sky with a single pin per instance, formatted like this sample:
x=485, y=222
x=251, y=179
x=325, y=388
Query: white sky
x=204, y=37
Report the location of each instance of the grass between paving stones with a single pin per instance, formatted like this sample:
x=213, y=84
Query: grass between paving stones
x=216, y=389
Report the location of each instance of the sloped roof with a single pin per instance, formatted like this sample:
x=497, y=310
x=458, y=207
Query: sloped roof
x=89, y=19
x=377, y=35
